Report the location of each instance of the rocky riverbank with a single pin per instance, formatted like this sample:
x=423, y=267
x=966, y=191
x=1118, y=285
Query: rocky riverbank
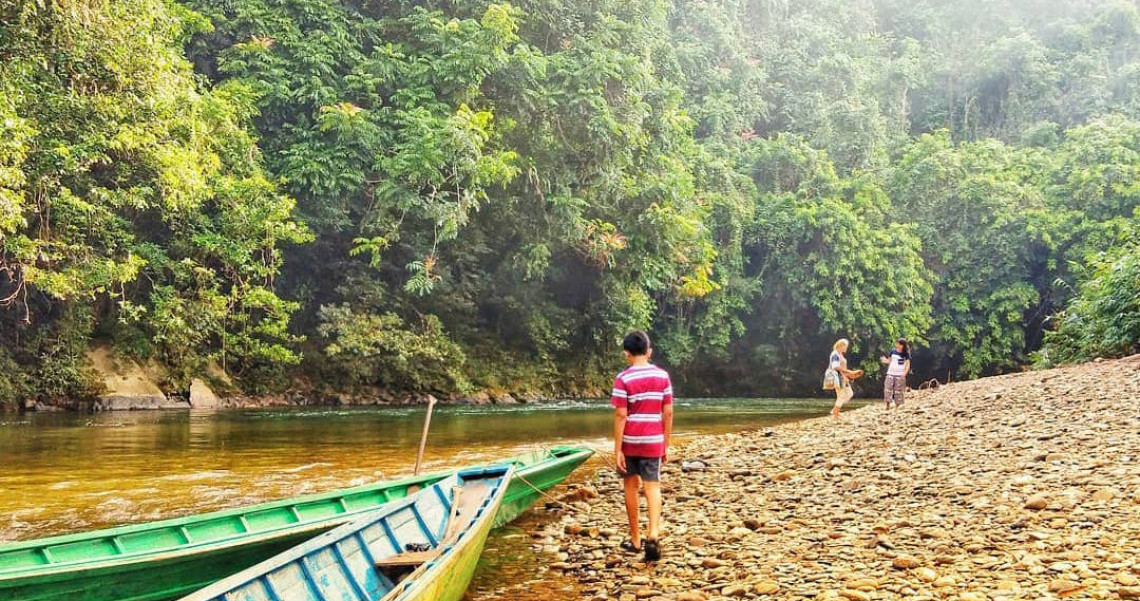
x=1024, y=486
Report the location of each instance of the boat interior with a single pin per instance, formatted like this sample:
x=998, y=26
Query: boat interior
x=374, y=558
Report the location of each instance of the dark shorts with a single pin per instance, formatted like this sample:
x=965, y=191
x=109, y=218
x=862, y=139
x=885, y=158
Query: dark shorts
x=649, y=468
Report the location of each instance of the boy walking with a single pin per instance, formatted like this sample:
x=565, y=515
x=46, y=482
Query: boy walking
x=643, y=420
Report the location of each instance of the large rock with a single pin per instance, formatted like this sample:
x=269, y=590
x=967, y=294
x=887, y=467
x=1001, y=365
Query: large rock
x=133, y=402
x=202, y=397
x=128, y=385
x=505, y=399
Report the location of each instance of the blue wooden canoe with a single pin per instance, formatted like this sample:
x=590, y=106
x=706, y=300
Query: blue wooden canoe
x=423, y=548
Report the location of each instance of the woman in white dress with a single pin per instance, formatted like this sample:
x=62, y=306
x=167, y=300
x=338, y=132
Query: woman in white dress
x=843, y=376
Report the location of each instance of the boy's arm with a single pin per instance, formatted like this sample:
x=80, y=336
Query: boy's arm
x=619, y=398
x=667, y=417
x=621, y=414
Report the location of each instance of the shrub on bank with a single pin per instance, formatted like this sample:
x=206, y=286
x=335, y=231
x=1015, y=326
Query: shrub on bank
x=1103, y=320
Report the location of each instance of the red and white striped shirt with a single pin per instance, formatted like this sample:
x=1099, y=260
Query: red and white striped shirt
x=644, y=391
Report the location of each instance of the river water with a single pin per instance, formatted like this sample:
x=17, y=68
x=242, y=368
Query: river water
x=66, y=472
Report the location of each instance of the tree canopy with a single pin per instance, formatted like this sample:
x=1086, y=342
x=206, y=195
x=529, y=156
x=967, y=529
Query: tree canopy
x=454, y=197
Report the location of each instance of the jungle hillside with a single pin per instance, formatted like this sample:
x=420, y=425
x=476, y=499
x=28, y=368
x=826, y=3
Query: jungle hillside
x=467, y=197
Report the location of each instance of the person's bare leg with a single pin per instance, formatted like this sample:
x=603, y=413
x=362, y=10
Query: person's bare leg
x=838, y=403
x=632, y=487
x=653, y=499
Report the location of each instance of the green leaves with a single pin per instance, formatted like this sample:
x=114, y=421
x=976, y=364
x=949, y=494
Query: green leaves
x=378, y=122
x=129, y=190
x=423, y=277
x=371, y=246
x=483, y=194
x=1103, y=320
x=973, y=206
x=834, y=249
x=1099, y=170
x=15, y=134
x=364, y=348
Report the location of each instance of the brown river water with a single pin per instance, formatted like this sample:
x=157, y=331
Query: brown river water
x=68, y=472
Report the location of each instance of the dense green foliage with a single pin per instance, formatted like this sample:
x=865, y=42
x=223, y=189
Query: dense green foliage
x=1103, y=320
x=451, y=197
x=133, y=204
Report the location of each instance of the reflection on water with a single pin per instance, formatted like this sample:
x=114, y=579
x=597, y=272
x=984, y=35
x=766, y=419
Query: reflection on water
x=69, y=472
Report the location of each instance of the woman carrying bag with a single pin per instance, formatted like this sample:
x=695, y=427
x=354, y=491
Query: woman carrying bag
x=838, y=377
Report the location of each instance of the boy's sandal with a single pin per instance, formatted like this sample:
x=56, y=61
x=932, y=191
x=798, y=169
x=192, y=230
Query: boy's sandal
x=652, y=550
x=628, y=546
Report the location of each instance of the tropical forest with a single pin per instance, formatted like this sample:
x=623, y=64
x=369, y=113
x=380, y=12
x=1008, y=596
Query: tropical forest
x=356, y=197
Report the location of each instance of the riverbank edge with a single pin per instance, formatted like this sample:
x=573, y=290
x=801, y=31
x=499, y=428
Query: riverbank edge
x=119, y=383
x=1021, y=486
x=297, y=398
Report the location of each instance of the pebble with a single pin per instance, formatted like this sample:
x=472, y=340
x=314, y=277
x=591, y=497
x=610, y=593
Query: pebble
x=905, y=563
x=734, y=590
x=863, y=584
x=926, y=574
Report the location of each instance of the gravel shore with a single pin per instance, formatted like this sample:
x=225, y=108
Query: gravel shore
x=1024, y=486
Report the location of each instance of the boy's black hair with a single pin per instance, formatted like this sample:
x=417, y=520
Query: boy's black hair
x=636, y=343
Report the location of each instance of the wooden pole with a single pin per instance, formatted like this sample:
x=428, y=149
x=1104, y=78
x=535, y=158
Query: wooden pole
x=423, y=438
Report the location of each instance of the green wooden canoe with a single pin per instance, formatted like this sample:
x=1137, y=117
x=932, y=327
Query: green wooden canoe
x=424, y=548
x=536, y=473
x=162, y=560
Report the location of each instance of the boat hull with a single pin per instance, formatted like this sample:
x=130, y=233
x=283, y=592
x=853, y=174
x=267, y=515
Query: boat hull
x=522, y=494
x=148, y=572
x=432, y=541
x=169, y=575
x=163, y=579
